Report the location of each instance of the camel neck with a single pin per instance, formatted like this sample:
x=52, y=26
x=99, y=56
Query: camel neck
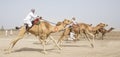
x=59, y=27
x=97, y=27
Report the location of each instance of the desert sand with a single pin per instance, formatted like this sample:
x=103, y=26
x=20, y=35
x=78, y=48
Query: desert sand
x=29, y=46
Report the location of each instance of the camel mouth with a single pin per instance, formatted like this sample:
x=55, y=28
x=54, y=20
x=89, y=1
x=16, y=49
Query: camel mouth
x=112, y=28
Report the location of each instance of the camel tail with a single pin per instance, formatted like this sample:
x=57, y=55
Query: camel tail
x=17, y=28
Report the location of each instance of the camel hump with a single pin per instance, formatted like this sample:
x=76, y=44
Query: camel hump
x=47, y=25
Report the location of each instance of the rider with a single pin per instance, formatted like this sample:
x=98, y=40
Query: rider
x=29, y=18
x=74, y=22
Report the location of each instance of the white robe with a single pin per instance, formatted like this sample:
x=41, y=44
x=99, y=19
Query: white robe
x=29, y=18
x=74, y=22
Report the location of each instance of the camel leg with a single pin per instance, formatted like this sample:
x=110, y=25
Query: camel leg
x=89, y=40
x=60, y=39
x=47, y=41
x=14, y=41
x=55, y=42
x=42, y=39
x=77, y=36
x=44, y=49
x=92, y=42
x=64, y=35
x=96, y=35
x=102, y=37
x=103, y=34
x=83, y=34
x=88, y=33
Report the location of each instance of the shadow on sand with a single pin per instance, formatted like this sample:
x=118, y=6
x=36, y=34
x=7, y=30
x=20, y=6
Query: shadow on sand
x=32, y=49
x=36, y=43
x=69, y=44
x=75, y=45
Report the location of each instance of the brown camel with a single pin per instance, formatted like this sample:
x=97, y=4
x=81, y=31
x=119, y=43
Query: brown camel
x=43, y=31
x=104, y=31
x=86, y=29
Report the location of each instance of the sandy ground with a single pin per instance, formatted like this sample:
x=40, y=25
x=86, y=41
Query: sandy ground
x=31, y=47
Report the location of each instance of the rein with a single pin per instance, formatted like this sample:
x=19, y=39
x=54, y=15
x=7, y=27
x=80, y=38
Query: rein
x=49, y=22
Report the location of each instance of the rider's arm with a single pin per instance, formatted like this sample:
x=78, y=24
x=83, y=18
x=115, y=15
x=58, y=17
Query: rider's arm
x=33, y=15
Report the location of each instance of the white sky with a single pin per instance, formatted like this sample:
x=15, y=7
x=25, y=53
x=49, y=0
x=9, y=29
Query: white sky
x=12, y=12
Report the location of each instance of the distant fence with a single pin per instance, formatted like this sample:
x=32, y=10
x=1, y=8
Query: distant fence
x=8, y=32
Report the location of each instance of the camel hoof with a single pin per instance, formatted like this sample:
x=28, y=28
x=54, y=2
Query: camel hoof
x=59, y=51
x=8, y=52
x=60, y=48
x=92, y=45
x=5, y=49
x=44, y=52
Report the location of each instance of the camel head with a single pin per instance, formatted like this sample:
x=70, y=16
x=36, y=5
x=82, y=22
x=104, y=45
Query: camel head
x=66, y=21
x=102, y=25
x=112, y=28
x=89, y=24
x=58, y=23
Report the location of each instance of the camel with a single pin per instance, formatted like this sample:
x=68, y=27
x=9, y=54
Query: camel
x=104, y=31
x=43, y=31
x=86, y=29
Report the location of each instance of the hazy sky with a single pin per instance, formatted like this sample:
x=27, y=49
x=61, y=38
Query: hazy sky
x=12, y=12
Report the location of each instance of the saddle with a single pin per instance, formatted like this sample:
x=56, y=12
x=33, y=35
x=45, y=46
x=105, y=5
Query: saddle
x=34, y=22
x=75, y=25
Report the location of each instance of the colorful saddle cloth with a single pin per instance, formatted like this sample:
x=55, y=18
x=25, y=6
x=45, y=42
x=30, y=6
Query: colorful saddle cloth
x=36, y=21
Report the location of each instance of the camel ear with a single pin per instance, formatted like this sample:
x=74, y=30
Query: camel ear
x=106, y=24
x=90, y=24
x=64, y=20
x=99, y=23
